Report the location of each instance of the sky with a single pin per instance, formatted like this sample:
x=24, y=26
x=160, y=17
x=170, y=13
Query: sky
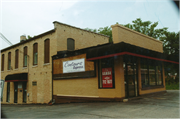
x=33, y=17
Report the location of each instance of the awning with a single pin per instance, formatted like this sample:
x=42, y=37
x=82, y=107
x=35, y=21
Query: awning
x=122, y=48
x=16, y=77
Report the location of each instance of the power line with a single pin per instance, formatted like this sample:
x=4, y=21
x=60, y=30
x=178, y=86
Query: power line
x=5, y=39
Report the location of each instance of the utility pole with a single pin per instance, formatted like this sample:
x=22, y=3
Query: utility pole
x=5, y=39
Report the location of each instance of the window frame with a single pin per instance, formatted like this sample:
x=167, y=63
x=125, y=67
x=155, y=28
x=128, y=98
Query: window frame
x=100, y=80
x=16, y=58
x=152, y=63
x=46, y=51
x=2, y=62
x=35, y=53
x=25, y=54
x=9, y=61
x=69, y=40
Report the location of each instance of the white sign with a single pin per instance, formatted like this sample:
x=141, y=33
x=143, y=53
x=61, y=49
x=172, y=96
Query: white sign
x=74, y=66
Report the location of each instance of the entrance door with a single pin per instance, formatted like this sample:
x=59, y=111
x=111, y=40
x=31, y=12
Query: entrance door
x=24, y=92
x=130, y=75
x=15, y=91
x=8, y=92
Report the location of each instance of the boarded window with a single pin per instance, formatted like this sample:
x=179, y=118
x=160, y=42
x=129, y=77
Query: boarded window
x=46, y=50
x=16, y=58
x=25, y=57
x=9, y=60
x=70, y=44
x=2, y=63
x=35, y=54
x=34, y=83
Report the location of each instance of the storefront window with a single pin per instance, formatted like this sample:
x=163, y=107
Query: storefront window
x=144, y=73
x=106, y=73
x=151, y=73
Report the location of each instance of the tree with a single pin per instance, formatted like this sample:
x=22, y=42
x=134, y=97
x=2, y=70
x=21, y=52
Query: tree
x=103, y=30
x=147, y=28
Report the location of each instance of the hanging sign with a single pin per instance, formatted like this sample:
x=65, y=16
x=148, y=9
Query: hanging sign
x=74, y=66
x=107, y=77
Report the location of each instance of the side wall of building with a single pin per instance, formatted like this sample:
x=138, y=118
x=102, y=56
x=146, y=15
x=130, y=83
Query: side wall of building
x=40, y=73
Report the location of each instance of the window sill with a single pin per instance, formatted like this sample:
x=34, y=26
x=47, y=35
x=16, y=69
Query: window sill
x=34, y=66
x=8, y=70
x=152, y=87
x=2, y=71
x=46, y=64
x=24, y=68
x=15, y=69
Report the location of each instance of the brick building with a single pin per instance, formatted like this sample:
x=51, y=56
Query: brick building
x=69, y=64
x=26, y=67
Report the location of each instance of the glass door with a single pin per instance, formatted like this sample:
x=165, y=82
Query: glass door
x=130, y=75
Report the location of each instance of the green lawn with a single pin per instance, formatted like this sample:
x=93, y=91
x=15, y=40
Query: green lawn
x=172, y=86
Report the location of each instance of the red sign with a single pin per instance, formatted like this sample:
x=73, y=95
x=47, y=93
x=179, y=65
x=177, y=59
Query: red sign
x=107, y=77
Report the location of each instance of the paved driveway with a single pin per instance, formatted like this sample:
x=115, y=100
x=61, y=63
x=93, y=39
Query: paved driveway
x=164, y=105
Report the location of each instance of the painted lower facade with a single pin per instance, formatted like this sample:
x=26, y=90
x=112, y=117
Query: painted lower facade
x=109, y=78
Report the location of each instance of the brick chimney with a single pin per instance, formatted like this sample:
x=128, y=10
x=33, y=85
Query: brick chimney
x=22, y=38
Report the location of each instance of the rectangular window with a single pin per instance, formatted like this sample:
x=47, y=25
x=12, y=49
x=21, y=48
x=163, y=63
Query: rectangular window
x=16, y=58
x=2, y=63
x=151, y=73
x=25, y=57
x=34, y=83
x=9, y=60
x=35, y=54
x=106, y=73
x=46, y=50
x=144, y=73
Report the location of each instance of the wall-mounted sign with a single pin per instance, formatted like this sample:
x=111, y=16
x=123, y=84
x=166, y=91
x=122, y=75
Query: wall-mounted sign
x=74, y=66
x=107, y=77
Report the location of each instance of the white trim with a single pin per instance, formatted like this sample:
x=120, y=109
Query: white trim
x=24, y=68
x=16, y=69
x=35, y=66
x=78, y=96
x=46, y=64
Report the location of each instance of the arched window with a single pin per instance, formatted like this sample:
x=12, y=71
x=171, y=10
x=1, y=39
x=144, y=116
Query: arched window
x=2, y=63
x=16, y=58
x=35, y=54
x=25, y=57
x=46, y=50
x=70, y=44
x=9, y=60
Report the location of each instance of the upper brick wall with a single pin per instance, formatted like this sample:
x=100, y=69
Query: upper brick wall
x=121, y=33
x=82, y=38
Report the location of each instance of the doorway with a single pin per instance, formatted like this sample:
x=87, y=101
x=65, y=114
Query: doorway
x=8, y=92
x=24, y=91
x=15, y=91
x=131, y=76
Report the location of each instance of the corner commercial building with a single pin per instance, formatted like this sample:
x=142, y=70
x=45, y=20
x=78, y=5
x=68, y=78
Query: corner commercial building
x=83, y=67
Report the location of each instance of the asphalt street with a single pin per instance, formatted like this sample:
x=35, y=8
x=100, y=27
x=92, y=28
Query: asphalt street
x=164, y=105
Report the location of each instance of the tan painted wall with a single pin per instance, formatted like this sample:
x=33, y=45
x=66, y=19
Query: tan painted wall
x=82, y=38
x=89, y=86
x=121, y=33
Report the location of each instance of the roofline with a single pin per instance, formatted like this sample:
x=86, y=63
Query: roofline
x=80, y=28
x=28, y=40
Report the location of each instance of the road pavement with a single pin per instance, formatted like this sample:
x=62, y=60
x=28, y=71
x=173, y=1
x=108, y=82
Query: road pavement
x=164, y=105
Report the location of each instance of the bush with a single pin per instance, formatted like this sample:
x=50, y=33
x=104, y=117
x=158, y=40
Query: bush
x=172, y=86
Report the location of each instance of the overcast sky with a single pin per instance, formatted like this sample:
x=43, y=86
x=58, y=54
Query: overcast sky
x=33, y=17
